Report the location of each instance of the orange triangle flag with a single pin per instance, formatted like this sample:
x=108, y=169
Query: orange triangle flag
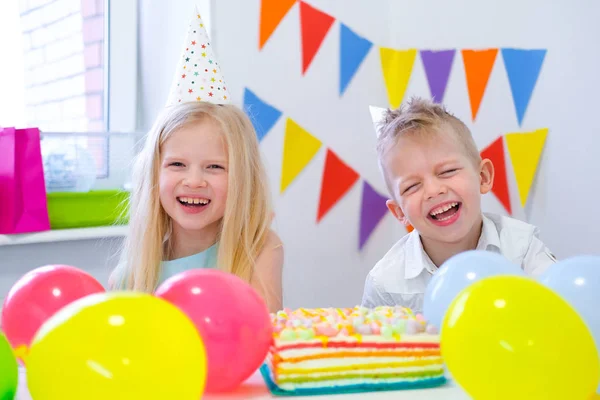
x=338, y=178
x=478, y=67
x=525, y=149
x=299, y=148
x=314, y=25
x=495, y=153
x=271, y=14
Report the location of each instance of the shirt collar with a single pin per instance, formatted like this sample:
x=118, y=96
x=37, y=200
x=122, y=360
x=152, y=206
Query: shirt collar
x=417, y=260
x=489, y=239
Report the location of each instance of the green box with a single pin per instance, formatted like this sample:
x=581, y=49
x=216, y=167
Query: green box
x=87, y=209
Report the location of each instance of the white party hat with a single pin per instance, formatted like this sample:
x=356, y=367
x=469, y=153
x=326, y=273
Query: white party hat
x=198, y=75
x=377, y=114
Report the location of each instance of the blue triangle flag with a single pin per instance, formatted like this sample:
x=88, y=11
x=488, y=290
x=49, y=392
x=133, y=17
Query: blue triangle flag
x=262, y=115
x=523, y=68
x=353, y=50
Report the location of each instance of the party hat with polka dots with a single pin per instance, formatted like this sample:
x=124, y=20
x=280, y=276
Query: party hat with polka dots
x=198, y=76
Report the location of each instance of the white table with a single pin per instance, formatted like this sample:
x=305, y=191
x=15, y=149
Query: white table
x=255, y=389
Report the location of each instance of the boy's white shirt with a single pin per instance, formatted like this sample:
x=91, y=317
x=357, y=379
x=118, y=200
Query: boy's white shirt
x=402, y=275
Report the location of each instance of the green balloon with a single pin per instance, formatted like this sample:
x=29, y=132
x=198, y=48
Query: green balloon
x=10, y=371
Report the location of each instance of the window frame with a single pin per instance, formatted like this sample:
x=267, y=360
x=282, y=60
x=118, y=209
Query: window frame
x=120, y=66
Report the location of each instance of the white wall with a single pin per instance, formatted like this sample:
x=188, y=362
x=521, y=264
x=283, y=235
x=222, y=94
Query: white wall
x=97, y=257
x=323, y=266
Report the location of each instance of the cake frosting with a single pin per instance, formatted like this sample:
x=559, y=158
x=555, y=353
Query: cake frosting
x=333, y=350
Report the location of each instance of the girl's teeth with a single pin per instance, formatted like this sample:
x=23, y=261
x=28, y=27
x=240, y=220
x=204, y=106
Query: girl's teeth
x=189, y=200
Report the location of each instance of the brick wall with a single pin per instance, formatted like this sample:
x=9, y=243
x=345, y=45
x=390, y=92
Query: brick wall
x=64, y=69
x=64, y=73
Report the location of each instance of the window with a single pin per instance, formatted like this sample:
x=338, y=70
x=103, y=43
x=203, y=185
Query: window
x=63, y=61
x=58, y=79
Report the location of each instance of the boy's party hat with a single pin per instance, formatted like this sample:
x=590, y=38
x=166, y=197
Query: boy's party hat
x=198, y=75
x=376, y=116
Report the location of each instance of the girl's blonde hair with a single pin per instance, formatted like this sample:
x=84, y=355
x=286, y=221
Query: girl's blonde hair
x=245, y=224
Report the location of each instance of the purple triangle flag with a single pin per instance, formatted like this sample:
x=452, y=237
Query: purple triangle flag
x=372, y=210
x=437, y=64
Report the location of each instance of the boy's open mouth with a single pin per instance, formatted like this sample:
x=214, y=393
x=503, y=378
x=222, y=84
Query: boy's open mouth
x=193, y=201
x=444, y=212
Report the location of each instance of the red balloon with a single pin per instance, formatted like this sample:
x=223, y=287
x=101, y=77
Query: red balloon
x=232, y=319
x=39, y=294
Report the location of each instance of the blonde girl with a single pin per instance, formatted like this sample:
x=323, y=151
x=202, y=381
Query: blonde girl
x=200, y=200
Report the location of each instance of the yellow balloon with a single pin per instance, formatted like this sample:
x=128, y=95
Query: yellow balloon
x=509, y=337
x=119, y=345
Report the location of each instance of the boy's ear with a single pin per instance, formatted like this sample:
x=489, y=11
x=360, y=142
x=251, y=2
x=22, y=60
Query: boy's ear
x=396, y=211
x=486, y=176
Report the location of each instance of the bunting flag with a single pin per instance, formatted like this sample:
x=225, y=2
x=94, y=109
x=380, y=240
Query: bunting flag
x=478, y=67
x=437, y=66
x=372, y=210
x=271, y=14
x=314, y=25
x=263, y=115
x=299, y=148
x=397, y=67
x=353, y=50
x=338, y=178
x=495, y=153
x=525, y=149
x=523, y=69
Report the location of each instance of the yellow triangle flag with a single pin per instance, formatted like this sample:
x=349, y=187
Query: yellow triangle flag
x=397, y=67
x=525, y=149
x=299, y=147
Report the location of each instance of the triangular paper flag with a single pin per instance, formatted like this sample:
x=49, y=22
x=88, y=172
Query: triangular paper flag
x=372, y=210
x=338, y=178
x=376, y=117
x=314, y=25
x=353, y=50
x=525, y=149
x=299, y=148
x=495, y=153
x=478, y=67
x=262, y=115
x=271, y=14
x=437, y=66
x=397, y=67
x=198, y=75
x=523, y=68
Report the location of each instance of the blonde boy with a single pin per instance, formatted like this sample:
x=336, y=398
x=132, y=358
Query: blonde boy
x=435, y=176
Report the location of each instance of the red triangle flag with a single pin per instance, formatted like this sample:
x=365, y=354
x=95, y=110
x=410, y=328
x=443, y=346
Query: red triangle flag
x=338, y=178
x=495, y=152
x=314, y=25
x=271, y=14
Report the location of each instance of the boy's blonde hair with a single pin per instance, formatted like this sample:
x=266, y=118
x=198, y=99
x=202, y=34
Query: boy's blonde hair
x=424, y=118
x=245, y=224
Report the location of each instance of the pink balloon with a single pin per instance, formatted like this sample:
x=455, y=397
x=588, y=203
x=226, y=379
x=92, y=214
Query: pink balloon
x=232, y=319
x=40, y=293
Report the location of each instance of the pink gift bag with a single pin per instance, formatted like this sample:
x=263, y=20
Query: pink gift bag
x=23, y=205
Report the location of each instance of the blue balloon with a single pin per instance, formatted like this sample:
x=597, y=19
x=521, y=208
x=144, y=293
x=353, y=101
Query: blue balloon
x=459, y=272
x=577, y=280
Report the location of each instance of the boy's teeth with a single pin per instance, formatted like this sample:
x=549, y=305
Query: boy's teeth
x=440, y=210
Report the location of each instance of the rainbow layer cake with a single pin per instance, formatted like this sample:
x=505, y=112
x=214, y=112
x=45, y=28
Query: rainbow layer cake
x=344, y=350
